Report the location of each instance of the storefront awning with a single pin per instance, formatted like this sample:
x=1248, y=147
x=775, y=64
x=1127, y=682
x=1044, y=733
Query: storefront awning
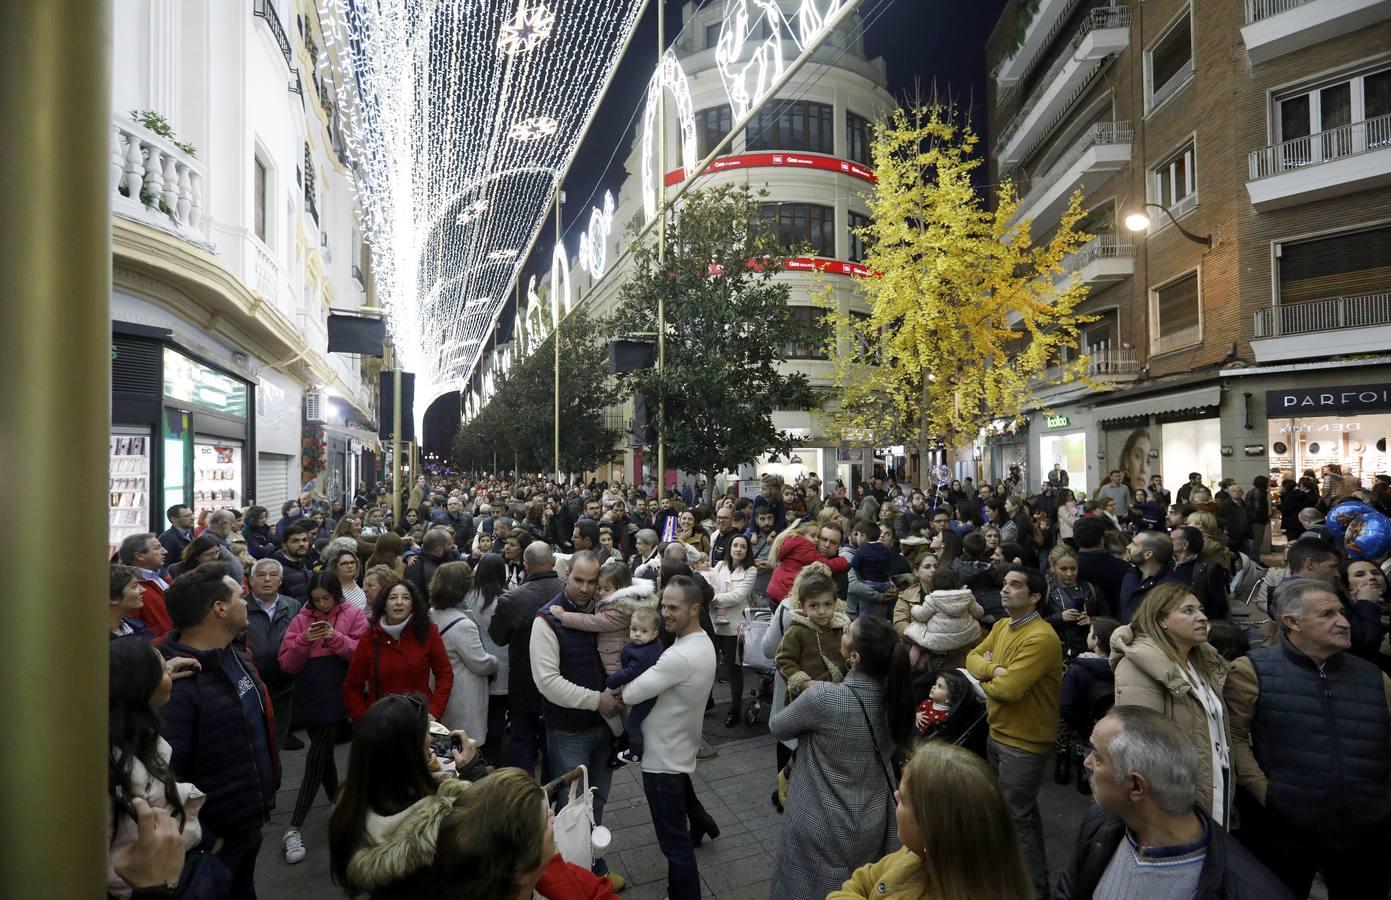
x=1194, y=398
x=368, y=438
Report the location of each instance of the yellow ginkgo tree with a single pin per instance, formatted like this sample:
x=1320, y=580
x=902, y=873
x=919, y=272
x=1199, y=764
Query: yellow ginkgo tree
x=965, y=310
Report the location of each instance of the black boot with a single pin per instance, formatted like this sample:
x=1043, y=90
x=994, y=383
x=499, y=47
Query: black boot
x=736, y=712
x=1062, y=767
x=702, y=826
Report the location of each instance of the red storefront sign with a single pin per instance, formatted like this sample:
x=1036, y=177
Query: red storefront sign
x=780, y=160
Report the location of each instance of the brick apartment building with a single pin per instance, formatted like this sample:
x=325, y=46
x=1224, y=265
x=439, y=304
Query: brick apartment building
x=1262, y=128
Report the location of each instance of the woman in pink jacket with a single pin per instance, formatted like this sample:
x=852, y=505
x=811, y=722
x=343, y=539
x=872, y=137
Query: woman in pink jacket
x=317, y=648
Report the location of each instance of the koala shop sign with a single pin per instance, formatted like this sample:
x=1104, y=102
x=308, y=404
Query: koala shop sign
x=1320, y=401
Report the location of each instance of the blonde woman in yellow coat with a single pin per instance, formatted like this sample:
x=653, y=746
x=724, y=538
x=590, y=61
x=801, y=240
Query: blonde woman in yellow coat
x=958, y=836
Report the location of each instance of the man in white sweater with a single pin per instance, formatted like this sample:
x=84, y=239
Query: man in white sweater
x=680, y=681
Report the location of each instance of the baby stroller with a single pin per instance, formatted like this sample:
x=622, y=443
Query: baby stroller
x=751, y=632
x=965, y=726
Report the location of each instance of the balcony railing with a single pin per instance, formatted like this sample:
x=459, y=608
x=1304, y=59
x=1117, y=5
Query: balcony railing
x=264, y=9
x=1007, y=94
x=1332, y=314
x=1177, y=340
x=1096, y=19
x=152, y=172
x=1256, y=10
x=1103, y=246
x=1100, y=134
x=1321, y=147
x=1170, y=87
x=311, y=207
x=1102, y=362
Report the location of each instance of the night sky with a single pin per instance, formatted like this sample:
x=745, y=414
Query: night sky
x=923, y=42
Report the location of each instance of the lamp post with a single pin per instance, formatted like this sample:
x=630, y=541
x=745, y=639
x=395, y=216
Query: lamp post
x=1138, y=221
x=661, y=253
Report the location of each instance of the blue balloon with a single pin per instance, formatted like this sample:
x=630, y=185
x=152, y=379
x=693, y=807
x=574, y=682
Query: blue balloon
x=1340, y=516
x=1368, y=537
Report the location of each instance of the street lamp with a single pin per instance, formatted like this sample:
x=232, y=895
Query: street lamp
x=1138, y=221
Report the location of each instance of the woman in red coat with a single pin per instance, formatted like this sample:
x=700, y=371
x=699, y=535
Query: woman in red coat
x=399, y=654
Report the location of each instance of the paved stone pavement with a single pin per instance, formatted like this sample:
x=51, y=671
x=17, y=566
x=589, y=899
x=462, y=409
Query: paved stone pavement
x=734, y=787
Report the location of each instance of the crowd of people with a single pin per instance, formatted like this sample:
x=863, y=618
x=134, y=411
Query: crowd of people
x=928, y=655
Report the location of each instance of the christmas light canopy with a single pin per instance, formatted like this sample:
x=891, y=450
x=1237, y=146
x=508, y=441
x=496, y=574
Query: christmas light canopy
x=459, y=117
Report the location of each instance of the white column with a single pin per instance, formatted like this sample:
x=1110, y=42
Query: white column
x=164, y=59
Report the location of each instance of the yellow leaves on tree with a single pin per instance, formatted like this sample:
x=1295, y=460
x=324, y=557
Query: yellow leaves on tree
x=966, y=310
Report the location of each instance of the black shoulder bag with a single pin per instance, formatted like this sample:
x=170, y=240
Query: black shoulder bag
x=879, y=755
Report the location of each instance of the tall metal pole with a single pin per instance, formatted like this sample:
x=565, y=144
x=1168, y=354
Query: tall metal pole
x=555, y=305
x=55, y=276
x=396, y=435
x=661, y=250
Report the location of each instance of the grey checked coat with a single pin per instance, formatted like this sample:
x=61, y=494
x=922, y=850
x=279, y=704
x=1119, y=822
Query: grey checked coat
x=839, y=813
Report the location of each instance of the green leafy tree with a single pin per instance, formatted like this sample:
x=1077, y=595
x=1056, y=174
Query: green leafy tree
x=967, y=311
x=518, y=424
x=727, y=327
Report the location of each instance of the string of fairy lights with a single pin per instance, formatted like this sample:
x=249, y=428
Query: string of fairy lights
x=460, y=116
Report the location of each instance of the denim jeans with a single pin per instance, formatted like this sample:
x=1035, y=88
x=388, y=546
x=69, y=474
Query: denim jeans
x=1021, y=775
x=666, y=801
x=528, y=736
x=589, y=747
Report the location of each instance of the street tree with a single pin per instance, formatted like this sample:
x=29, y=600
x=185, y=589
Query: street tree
x=518, y=420
x=728, y=327
x=965, y=308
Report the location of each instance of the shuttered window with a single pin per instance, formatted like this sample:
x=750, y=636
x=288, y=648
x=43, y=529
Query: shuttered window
x=711, y=126
x=1337, y=265
x=1177, y=306
x=789, y=125
x=813, y=318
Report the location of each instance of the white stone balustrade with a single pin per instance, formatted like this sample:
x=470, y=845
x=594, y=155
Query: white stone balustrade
x=155, y=181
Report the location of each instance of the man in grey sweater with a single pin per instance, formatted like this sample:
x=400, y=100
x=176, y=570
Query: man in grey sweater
x=1115, y=489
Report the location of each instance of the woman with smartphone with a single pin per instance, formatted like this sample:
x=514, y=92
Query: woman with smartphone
x=317, y=648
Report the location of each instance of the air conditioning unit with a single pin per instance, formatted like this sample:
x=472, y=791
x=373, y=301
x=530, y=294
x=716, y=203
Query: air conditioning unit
x=314, y=407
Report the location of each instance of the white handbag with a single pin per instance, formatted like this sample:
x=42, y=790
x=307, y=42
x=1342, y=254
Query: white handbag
x=574, y=825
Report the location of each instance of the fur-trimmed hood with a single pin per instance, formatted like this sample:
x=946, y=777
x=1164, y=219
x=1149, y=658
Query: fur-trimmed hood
x=400, y=845
x=641, y=593
x=838, y=619
x=956, y=603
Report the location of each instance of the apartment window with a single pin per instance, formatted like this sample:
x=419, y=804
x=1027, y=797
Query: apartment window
x=1174, y=183
x=259, y=189
x=792, y=125
x=1101, y=335
x=1177, y=314
x=865, y=350
x=711, y=126
x=1169, y=61
x=712, y=35
x=857, y=138
x=1327, y=110
x=814, y=347
x=857, y=242
x=797, y=225
x=1346, y=264
x=1099, y=220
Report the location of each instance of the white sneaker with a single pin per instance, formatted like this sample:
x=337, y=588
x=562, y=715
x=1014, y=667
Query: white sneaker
x=294, y=847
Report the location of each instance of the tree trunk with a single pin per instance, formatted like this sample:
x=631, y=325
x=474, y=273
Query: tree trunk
x=924, y=476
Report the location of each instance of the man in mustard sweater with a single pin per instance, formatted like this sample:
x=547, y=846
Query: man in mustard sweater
x=1020, y=668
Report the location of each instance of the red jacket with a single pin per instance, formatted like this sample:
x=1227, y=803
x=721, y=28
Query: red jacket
x=567, y=881
x=154, y=613
x=795, y=554
x=383, y=665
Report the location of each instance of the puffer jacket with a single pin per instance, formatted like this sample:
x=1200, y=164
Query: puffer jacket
x=397, y=855
x=809, y=652
x=1145, y=676
x=946, y=621
x=611, y=617
x=795, y=553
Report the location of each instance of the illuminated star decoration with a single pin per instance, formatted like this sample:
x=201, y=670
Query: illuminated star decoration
x=533, y=129
x=445, y=103
x=529, y=28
